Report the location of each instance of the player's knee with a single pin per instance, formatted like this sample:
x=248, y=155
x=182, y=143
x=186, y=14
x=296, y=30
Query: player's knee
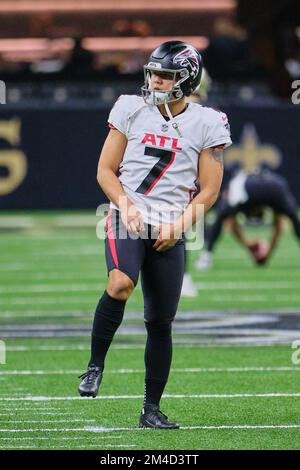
x=120, y=286
x=158, y=328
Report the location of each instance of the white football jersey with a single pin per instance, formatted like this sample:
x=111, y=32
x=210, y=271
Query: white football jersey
x=160, y=164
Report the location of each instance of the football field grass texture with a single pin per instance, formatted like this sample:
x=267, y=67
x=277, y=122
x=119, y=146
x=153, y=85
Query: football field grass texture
x=59, y=273
x=222, y=397
x=225, y=393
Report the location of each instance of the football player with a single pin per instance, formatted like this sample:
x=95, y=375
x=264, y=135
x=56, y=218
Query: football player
x=251, y=194
x=157, y=146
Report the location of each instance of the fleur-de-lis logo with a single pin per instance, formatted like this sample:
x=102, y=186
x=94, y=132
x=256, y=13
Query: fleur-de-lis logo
x=251, y=154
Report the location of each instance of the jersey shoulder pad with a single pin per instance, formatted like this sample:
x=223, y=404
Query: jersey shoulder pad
x=129, y=103
x=124, y=107
x=213, y=116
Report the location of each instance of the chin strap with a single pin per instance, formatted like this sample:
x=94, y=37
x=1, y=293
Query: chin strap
x=174, y=124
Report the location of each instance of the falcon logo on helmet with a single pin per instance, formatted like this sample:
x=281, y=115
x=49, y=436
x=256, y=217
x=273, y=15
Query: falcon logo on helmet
x=181, y=61
x=188, y=58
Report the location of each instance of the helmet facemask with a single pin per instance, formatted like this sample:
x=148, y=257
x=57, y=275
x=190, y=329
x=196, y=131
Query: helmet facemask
x=158, y=97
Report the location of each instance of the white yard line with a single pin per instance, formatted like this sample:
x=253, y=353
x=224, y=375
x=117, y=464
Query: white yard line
x=85, y=446
x=247, y=426
x=98, y=429
x=35, y=409
x=135, y=397
x=49, y=421
x=137, y=371
x=40, y=413
x=188, y=428
x=11, y=438
x=180, y=344
x=44, y=430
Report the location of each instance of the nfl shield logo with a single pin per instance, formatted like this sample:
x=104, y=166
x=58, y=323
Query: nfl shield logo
x=164, y=127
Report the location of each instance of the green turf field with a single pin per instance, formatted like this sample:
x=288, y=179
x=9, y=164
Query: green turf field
x=227, y=390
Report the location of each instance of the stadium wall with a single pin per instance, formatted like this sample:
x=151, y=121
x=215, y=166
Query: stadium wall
x=48, y=157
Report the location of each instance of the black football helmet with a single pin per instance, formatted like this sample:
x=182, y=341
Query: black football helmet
x=183, y=61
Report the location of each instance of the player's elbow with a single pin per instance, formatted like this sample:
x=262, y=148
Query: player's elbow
x=212, y=196
x=100, y=176
x=104, y=176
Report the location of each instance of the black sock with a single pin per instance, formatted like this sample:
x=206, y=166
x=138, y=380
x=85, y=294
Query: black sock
x=108, y=317
x=158, y=358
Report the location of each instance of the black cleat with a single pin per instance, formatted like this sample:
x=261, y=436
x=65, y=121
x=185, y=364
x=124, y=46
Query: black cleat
x=91, y=381
x=152, y=417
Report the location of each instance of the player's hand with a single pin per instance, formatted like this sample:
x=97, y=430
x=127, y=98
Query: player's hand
x=132, y=219
x=168, y=235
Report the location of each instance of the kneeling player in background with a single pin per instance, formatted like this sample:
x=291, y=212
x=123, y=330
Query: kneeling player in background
x=250, y=194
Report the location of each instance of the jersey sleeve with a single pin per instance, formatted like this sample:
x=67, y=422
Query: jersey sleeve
x=118, y=116
x=217, y=132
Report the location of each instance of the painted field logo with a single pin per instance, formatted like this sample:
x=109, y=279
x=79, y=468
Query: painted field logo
x=2, y=92
x=2, y=352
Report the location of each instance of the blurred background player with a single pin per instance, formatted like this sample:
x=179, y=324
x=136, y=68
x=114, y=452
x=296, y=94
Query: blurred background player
x=250, y=194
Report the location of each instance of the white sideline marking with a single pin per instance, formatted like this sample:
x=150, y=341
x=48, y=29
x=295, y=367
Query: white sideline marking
x=237, y=426
x=36, y=409
x=40, y=413
x=246, y=426
x=134, y=397
x=44, y=430
x=239, y=369
x=137, y=371
x=99, y=429
x=57, y=438
x=178, y=343
x=86, y=446
x=51, y=421
x=66, y=447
